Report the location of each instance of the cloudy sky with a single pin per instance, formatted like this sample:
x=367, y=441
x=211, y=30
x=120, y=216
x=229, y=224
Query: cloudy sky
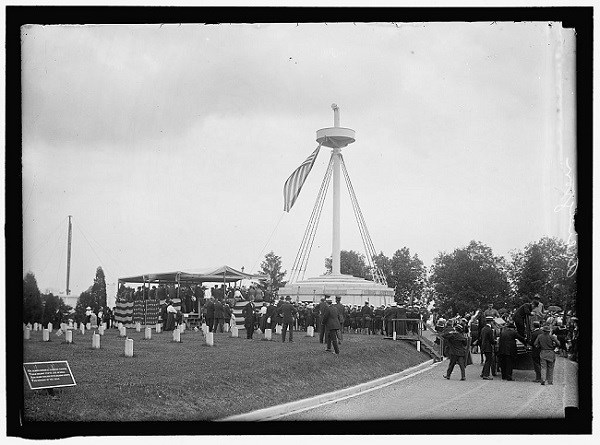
x=170, y=144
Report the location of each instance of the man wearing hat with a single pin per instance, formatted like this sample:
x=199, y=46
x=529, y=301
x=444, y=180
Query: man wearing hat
x=287, y=311
x=388, y=315
x=457, y=348
x=535, y=352
x=547, y=342
x=487, y=347
x=366, y=315
x=321, y=311
x=507, y=349
x=331, y=322
x=520, y=317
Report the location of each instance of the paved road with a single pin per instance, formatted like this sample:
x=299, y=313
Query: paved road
x=429, y=396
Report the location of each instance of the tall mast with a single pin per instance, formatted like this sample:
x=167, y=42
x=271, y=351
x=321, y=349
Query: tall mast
x=68, y=291
x=335, y=256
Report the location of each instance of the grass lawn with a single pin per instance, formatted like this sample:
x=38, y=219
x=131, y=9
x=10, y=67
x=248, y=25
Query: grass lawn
x=186, y=381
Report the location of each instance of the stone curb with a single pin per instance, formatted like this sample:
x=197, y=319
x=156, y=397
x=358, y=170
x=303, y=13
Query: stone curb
x=286, y=408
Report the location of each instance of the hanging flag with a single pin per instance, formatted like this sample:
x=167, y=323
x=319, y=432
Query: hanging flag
x=294, y=183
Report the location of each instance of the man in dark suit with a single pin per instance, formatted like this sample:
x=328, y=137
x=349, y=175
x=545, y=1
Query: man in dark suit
x=322, y=308
x=287, y=312
x=520, y=317
x=507, y=350
x=535, y=352
x=210, y=313
x=487, y=347
x=248, y=314
x=342, y=313
x=331, y=322
x=366, y=316
x=219, y=316
x=457, y=347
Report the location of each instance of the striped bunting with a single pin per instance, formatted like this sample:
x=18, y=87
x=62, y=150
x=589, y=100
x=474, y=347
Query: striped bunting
x=294, y=183
x=132, y=312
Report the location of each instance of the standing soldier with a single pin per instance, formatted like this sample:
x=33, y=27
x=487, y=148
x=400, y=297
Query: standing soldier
x=210, y=313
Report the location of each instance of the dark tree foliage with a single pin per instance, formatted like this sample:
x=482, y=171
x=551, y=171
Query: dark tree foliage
x=409, y=276
x=351, y=263
x=85, y=299
x=99, y=287
x=32, y=300
x=55, y=310
x=547, y=268
x=271, y=267
x=469, y=277
x=385, y=265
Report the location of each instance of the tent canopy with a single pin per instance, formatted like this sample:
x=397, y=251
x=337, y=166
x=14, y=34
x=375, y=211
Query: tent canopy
x=208, y=274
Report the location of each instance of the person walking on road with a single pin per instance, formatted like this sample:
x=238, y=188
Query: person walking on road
x=457, y=347
x=487, y=347
x=331, y=322
x=535, y=352
x=507, y=350
x=287, y=312
x=547, y=342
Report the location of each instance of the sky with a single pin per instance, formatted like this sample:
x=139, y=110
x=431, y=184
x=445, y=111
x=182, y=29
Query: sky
x=169, y=145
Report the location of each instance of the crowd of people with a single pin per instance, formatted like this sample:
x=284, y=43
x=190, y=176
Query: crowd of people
x=499, y=336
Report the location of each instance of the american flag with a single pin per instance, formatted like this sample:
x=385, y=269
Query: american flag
x=294, y=183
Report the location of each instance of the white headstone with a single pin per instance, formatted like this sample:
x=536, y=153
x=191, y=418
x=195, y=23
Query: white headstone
x=82, y=328
x=69, y=336
x=96, y=341
x=122, y=331
x=129, y=347
x=235, y=332
x=50, y=327
x=148, y=333
x=27, y=334
x=88, y=326
x=63, y=326
x=310, y=331
x=158, y=328
x=138, y=327
x=210, y=340
x=268, y=334
x=119, y=324
x=35, y=326
x=394, y=335
x=278, y=329
x=46, y=335
x=101, y=330
x=176, y=335
x=419, y=345
x=226, y=327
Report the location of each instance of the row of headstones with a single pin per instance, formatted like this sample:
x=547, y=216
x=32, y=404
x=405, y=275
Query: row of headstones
x=208, y=336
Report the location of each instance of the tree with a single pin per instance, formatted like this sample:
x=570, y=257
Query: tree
x=55, y=309
x=409, y=276
x=544, y=268
x=32, y=300
x=351, y=263
x=271, y=267
x=99, y=287
x=469, y=277
x=85, y=299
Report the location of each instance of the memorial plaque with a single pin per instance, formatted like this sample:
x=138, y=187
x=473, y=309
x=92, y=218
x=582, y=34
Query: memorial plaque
x=43, y=375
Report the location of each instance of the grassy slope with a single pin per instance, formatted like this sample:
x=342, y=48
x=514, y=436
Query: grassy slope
x=191, y=381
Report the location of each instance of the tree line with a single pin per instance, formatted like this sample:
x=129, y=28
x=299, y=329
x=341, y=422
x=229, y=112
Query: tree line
x=47, y=307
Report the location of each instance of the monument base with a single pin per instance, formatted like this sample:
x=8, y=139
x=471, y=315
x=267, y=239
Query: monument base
x=353, y=290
